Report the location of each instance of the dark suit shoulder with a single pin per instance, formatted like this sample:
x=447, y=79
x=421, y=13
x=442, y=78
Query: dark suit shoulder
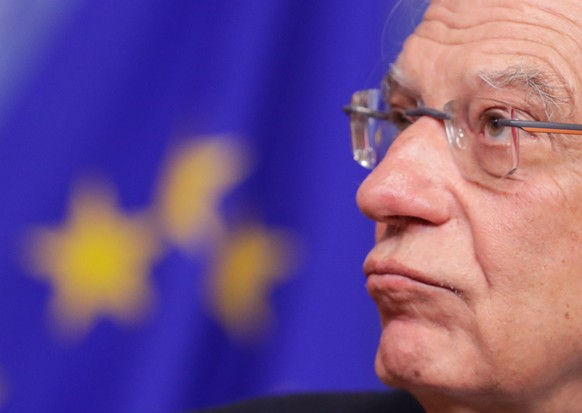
x=375, y=402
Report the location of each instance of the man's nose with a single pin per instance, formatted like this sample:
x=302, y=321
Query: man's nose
x=414, y=179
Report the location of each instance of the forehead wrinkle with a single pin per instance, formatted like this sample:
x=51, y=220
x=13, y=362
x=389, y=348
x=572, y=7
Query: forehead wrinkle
x=452, y=34
x=550, y=87
x=545, y=23
x=567, y=20
x=545, y=79
x=533, y=14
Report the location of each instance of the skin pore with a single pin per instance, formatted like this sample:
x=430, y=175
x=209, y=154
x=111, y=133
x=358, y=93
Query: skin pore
x=478, y=282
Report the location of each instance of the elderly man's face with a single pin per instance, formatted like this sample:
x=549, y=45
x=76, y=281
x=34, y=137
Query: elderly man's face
x=479, y=284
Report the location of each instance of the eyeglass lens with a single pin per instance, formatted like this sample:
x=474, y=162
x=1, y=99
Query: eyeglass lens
x=480, y=147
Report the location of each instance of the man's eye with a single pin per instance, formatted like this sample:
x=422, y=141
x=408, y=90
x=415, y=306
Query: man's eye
x=399, y=119
x=490, y=128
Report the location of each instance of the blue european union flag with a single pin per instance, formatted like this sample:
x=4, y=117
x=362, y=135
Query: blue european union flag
x=178, y=226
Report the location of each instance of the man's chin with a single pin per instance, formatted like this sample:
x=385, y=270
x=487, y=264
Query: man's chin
x=402, y=378
x=413, y=354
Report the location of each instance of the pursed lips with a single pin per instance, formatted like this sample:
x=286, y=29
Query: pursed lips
x=391, y=267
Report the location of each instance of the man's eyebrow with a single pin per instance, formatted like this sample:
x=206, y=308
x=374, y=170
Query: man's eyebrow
x=546, y=85
x=549, y=87
x=396, y=79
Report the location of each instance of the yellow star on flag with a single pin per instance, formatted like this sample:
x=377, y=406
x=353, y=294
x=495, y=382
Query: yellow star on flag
x=254, y=260
x=98, y=261
x=198, y=175
x=249, y=262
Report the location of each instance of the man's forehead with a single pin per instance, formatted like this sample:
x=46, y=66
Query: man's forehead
x=564, y=8
x=546, y=83
x=529, y=82
x=482, y=44
x=542, y=39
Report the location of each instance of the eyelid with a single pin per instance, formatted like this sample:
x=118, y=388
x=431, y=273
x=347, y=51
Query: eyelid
x=522, y=114
x=501, y=113
x=402, y=100
x=485, y=108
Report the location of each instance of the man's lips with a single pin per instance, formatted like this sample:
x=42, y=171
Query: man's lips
x=391, y=267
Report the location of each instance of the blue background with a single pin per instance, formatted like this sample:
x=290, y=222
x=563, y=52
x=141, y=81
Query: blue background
x=110, y=87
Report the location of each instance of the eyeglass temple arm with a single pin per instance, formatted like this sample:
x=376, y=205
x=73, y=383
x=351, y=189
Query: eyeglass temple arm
x=542, y=127
x=418, y=112
x=365, y=111
x=430, y=112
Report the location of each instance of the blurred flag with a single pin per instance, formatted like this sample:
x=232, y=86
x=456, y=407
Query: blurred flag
x=177, y=222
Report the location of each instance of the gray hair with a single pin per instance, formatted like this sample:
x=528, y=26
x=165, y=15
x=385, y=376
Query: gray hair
x=548, y=87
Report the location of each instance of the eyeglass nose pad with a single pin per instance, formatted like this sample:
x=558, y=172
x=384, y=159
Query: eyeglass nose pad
x=455, y=135
x=460, y=141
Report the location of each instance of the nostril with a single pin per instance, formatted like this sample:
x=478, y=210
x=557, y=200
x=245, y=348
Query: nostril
x=398, y=197
x=413, y=180
x=396, y=225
